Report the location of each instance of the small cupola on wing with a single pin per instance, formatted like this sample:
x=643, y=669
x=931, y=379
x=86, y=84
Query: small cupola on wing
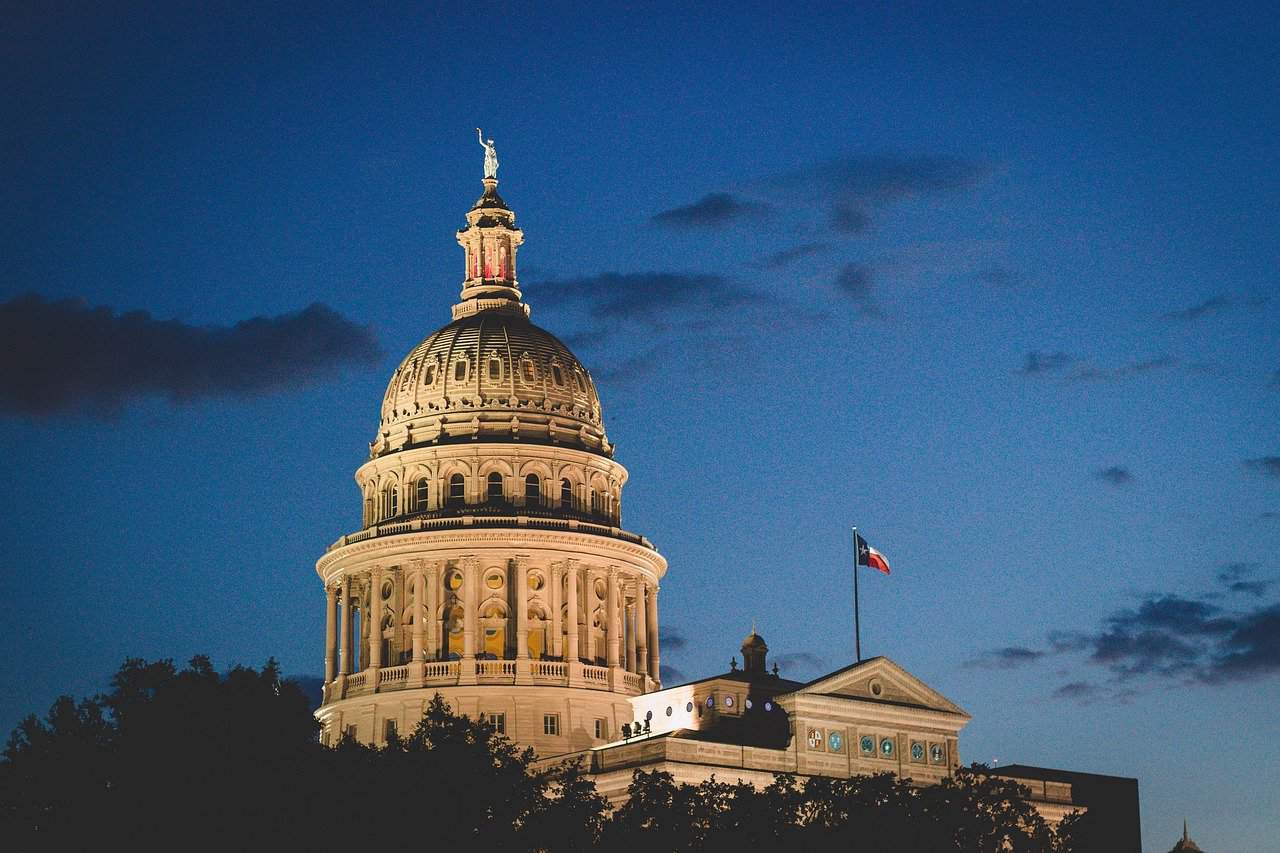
x=754, y=653
x=490, y=241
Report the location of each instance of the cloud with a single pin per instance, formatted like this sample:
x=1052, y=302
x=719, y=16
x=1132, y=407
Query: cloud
x=65, y=357
x=855, y=281
x=1080, y=690
x=848, y=218
x=801, y=661
x=998, y=276
x=1251, y=650
x=1239, y=578
x=652, y=298
x=1266, y=465
x=670, y=674
x=713, y=210
x=633, y=367
x=1088, y=373
x=1037, y=362
x=1008, y=657
x=786, y=257
x=672, y=640
x=1116, y=475
x=1212, y=305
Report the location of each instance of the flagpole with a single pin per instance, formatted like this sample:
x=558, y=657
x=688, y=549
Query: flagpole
x=857, y=627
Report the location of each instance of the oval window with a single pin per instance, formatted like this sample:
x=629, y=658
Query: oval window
x=886, y=747
x=688, y=707
x=493, y=581
x=917, y=752
x=668, y=710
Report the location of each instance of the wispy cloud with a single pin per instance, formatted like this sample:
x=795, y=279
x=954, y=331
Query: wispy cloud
x=1116, y=475
x=786, y=257
x=1068, y=369
x=1008, y=657
x=1037, y=363
x=1268, y=466
x=1211, y=306
x=804, y=661
x=1000, y=277
x=1242, y=578
x=67, y=358
x=714, y=210
x=670, y=674
x=855, y=281
x=1089, y=373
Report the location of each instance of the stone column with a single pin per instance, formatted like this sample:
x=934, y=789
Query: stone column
x=655, y=669
x=470, y=582
x=557, y=627
x=520, y=601
x=344, y=654
x=375, y=624
x=571, y=654
x=330, y=632
x=588, y=617
x=642, y=629
x=631, y=637
x=419, y=611
x=433, y=607
x=615, y=624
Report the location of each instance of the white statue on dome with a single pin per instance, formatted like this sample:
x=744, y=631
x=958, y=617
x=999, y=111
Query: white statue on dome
x=490, y=156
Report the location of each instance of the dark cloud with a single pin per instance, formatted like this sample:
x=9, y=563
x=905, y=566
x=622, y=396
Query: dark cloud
x=848, y=218
x=65, y=357
x=1212, y=305
x=1036, y=362
x=1116, y=475
x=1252, y=649
x=801, y=661
x=1266, y=465
x=714, y=210
x=1089, y=373
x=786, y=257
x=632, y=367
x=855, y=281
x=651, y=298
x=1241, y=578
x=1008, y=657
x=1000, y=277
x=670, y=674
x=1079, y=690
x=672, y=640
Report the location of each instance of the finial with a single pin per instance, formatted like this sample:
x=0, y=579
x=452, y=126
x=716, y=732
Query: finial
x=490, y=156
x=1184, y=829
x=753, y=626
x=733, y=664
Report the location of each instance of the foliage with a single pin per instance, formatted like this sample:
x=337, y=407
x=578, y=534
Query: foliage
x=199, y=759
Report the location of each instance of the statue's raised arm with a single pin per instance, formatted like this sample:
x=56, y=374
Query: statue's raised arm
x=490, y=156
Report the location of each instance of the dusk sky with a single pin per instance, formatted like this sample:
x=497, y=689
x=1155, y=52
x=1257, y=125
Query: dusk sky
x=997, y=286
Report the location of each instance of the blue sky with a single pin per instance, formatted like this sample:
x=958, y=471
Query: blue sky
x=997, y=285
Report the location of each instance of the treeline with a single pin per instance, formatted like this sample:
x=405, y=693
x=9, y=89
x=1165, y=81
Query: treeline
x=194, y=759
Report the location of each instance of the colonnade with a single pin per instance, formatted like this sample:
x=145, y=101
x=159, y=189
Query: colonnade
x=628, y=631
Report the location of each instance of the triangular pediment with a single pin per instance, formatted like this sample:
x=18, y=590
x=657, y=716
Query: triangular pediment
x=880, y=680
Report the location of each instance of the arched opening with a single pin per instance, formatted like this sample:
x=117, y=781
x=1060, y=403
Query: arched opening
x=538, y=628
x=453, y=627
x=532, y=490
x=493, y=629
x=430, y=377
x=420, y=492
x=494, y=488
x=460, y=371
x=557, y=375
x=457, y=490
x=393, y=501
x=566, y=494
x=595, y=501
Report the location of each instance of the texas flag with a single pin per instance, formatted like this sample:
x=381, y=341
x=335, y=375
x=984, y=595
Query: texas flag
x=870, y=557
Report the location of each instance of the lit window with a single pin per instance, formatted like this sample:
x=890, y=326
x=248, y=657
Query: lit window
x=457, y=490
x=601, y=731
x=551, y=724
x=728, y=701
x=917, y=752
x=460, y=371
x=935, y=753
x=886, y=747
x=688, y=707
x=566, y=494
x=867, y=744
x=420, y=493
x=498, y=722
x=495, y=486
x=532, y=488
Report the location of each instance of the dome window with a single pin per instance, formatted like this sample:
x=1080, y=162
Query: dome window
x=582, y=385
x=430, y=377
x=420, y=493
x=532, y=489
x=495, y=486
x=495, y=369
x=557, y=375
x=566, y=494
x=457, y=490
x=530, y=374
x=460, y=371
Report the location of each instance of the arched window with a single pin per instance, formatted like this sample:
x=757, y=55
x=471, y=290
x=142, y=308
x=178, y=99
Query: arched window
x=495, y=486
x=457, y=490
x=420, y=494
x=566, y=494
x=595, y=501
x=532, y=489
x=557, y=375
x=393, y=501
x=460, y=371
x=430, y=377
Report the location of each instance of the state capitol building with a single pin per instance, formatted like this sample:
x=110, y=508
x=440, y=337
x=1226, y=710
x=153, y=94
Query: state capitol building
x=491, y=567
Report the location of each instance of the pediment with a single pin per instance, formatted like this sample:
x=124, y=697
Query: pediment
x=880, y=680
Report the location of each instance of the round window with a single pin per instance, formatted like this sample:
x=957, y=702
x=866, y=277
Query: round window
x=867, y=744
x=536, y=582
x=835, y=741
x=747, y=704
x=493, y=581
x=668, y=710
x=688, y=707
x=386, y=589
x=876, y=688
x=600, y=589
x=454, y=580
x=935, y=752
x=728, y=701
x=768, y=706
x=917, y=752
x=886, y=747
x=711, y=701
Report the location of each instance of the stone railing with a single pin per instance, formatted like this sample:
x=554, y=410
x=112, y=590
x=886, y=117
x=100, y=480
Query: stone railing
x=453, y=522
x=633, y=681
x=355, y=681
x=557, y=670
x=441, y=669
x=496, y=670
x=596, y=674
x=448, y=673
x=393, y=675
